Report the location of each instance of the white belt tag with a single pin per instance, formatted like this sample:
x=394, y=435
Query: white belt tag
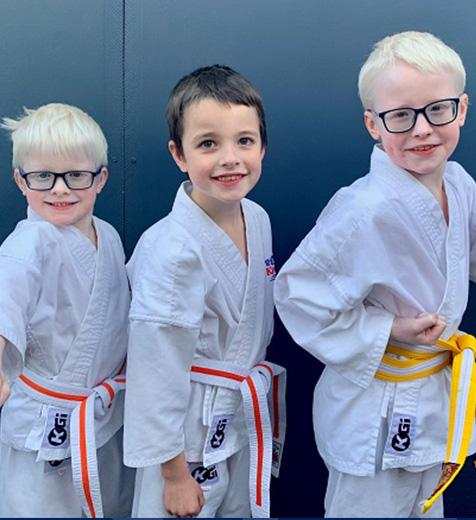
x=218, y=433
x=56, y=433
x=401, y=434
x=204, y=476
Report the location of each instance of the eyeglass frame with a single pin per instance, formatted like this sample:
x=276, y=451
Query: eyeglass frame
x=62, y=175
x=417, y=111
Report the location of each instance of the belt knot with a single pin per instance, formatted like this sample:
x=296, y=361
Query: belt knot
x=458, y=342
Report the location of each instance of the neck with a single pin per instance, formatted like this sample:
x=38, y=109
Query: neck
x=223, y=214
x=433, y=181
x=86, y=227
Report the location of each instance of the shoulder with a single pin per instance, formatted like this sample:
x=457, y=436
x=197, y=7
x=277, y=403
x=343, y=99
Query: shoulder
x=358, y=216
x=30, y=241
x=165, y=247
x=167, y=277
x=458, y=176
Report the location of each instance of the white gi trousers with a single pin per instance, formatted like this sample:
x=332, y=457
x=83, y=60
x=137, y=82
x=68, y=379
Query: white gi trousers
x=45, y=492
x=393, y=493
x=226, y=496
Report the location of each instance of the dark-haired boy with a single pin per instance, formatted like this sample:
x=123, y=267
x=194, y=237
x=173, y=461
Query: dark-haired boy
x=202, y=317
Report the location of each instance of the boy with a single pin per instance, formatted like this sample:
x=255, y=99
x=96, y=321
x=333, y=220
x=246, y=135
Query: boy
x=202, y=316
x=380, y=277
x=63, y=342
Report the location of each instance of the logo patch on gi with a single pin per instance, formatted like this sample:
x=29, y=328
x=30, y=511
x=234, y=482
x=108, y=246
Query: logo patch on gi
x=58, y=466
x=401, y=434
x=56, y=433
x=203, y=475
x=270, y=268
x=218, y=429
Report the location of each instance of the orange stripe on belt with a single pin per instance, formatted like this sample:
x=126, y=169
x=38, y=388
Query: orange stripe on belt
x=84, y=459
x=51, y=393
x=259, y=436
x=219, y=373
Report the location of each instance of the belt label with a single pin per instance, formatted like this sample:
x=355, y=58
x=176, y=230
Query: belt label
x=56, y=433
x=206, y=476
x=217, y=433
x=401, y=434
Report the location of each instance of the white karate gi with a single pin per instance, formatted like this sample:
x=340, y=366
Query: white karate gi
x=193, y=298
x=381, y=248
x=63, y=312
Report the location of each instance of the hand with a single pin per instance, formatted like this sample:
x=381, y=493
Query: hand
x=183, y=496
x=4, y=386
x=424, y=329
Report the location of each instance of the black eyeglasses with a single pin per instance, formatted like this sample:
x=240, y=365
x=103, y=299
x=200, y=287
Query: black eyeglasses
x=437, y=113
x=45, y=180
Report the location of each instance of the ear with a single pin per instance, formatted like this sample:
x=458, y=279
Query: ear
x=263, y=152
x=102, y=179
x=20, y=181
x=372, y=125
x=463, y=109
x=178, y=156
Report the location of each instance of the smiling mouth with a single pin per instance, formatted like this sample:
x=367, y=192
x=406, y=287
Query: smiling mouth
x=423, y=148
x=60, y=205
x=233, y=177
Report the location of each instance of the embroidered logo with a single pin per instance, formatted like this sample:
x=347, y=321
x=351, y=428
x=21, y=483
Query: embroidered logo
x=204, y=475
x=401, y=434
x=57, y=428
x=57, y=466
x=270, y=268
x=218, y=431
x=401, y=440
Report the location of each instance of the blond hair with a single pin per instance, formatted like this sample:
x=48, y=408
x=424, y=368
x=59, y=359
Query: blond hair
x=59, y=130
x=421, y=50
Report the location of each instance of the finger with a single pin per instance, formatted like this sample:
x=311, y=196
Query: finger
x=423, y=323
x=201, y=498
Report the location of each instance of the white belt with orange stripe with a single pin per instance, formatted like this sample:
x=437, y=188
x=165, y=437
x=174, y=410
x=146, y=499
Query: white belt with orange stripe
x=82, y=402
x=402, y=364
x=263, y=393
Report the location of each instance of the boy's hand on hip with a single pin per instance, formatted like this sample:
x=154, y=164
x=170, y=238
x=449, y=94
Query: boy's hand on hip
x=183, y=497
x=424, y=329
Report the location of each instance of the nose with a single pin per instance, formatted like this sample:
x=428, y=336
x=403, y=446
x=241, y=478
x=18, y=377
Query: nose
x=422, y=126
x=59, y=187
x=229, y=156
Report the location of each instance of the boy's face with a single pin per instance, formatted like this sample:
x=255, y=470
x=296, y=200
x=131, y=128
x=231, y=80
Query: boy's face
x=62, y=206
x=425, y=148
x=221, y=151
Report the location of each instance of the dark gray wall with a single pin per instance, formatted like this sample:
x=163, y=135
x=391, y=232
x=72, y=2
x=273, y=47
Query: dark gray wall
x=119, y=59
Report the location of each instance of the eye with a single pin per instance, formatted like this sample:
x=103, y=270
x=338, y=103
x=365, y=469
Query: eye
x=246, y=141
x=207, y=144
x=77, y=175
x=41, y=176
x=398, y=115
x=439, y=107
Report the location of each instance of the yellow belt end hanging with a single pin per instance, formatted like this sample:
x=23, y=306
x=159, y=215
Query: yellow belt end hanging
x=449, y=472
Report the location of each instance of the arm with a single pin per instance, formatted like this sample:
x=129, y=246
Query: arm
x=165, y=321
x=350, y=337
x=321, y=296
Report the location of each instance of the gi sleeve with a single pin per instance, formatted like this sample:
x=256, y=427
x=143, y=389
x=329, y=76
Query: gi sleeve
x=168, y=292
x=20, y=284
x=320, y=295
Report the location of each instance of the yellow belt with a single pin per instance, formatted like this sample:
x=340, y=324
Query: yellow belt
x=459, y=351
